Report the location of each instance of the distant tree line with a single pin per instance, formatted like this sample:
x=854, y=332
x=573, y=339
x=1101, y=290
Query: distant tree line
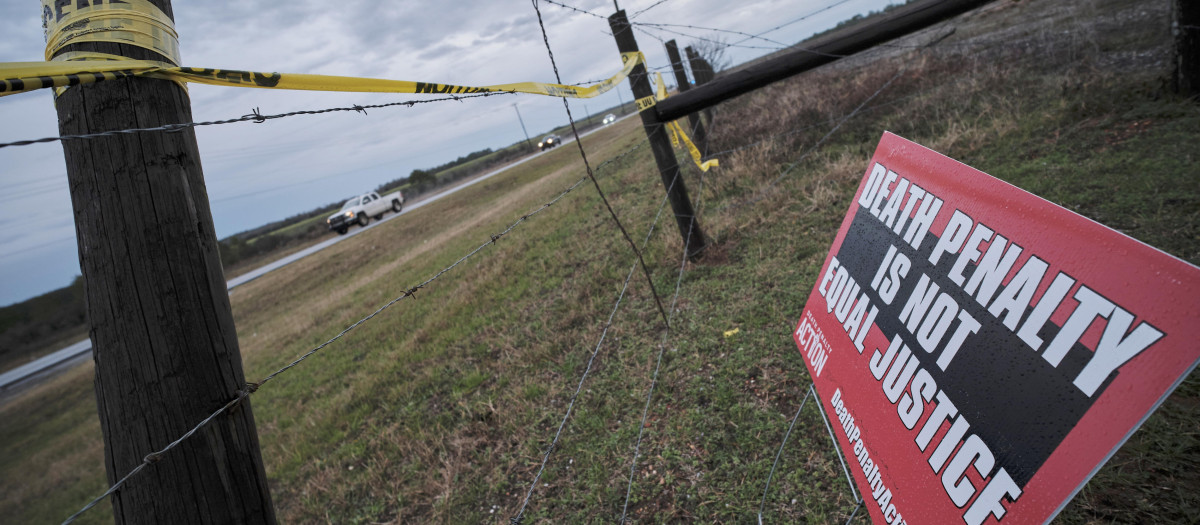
x=49, y=318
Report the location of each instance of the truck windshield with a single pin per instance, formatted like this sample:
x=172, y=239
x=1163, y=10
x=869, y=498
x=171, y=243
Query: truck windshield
x=350, y=204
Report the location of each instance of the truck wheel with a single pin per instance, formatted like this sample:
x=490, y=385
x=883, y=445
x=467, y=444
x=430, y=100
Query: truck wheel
x=396, y=206
x=363, y=220
x=341, y=231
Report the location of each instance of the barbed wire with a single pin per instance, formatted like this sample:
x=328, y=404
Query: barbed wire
x=651, y=35
x=645, y=242
x=713, y=29
x=251, y=387
x=802, y=18
x=516, y=520
x=662, y=345
x=643, y=28
x=586, y=165
x=255, y=115
x=652, y=6
x=576, y=9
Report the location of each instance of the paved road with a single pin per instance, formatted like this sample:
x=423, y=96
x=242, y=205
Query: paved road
x=79, y=352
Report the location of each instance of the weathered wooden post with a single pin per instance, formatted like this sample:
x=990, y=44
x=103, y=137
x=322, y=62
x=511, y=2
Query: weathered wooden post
x=660, y=144
x=1187, y=47
x=161, y=328
x=702, y=71
x=699, y=136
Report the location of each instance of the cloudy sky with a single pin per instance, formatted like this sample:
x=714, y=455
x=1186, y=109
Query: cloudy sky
x=258, y=173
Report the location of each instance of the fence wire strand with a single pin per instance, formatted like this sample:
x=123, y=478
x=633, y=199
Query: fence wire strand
x=251, y=388
x=255, y=116
x=662, y=346
x=576, y=9
x=588, y=167
x=652, y=6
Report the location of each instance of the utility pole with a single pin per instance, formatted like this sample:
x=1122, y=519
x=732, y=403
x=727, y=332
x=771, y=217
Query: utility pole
x=162, y=333
x=660, y=144
x=522, y=121
x=697, y=127
x=621, y=108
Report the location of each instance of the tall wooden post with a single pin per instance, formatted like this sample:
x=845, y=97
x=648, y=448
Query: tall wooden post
x=660, y=144
x=1187, y=47
x=702, y=71
x=699, y=136
x=161, y=328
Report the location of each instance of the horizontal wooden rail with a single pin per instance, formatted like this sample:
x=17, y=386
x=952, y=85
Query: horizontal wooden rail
x=824, y=50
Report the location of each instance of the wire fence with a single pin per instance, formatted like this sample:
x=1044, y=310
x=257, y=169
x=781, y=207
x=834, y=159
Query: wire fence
x=666, y=313
x=254, y=116
x=252, y=387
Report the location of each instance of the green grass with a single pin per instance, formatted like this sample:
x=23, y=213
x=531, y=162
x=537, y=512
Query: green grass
x=441, y=408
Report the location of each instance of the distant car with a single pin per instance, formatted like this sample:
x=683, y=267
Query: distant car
x=609, y=119
x=549, y=141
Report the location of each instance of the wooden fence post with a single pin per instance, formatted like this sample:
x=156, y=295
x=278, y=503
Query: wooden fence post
x=702, y=71
x=1187, y=47
x=660, y=144
x=696, y=126
x=162, y=332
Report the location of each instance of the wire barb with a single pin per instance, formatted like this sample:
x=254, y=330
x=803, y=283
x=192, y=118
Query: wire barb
x=255, y=116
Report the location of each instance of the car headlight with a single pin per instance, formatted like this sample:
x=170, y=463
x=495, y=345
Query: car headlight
x=540, y=144
x=349, y=214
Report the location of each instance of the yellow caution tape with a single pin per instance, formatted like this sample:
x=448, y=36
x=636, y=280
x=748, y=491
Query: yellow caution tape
x=677, y=133
x=133, y=22
x=139, y=23
x=17, y=77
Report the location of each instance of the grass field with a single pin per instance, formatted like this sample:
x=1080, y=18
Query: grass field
x=441, y=408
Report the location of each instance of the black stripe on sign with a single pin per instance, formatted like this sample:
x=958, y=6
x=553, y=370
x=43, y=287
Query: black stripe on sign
x=17, y=84
x=72, y=79
x=47, y=81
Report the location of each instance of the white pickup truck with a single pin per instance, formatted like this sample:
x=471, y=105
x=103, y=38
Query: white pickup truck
x=360, y=209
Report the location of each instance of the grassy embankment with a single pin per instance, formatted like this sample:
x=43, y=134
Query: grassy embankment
x=440, y=409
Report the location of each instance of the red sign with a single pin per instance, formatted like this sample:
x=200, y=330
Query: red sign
x=983, y=351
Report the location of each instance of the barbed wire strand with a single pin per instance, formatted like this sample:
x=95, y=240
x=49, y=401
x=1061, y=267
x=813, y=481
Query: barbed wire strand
x=713, y=29
x=250, y=388
x=662, y=346
x=643, y=28
x=588, y=167
x=652, y=6
x=255, y=116
x=763, y=503
x=516, y=520
x=802, y=18
x=576, y=9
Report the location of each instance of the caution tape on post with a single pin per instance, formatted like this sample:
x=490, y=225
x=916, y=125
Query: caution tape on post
x=678, y=135
x=86, y=68
x=139, y=23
